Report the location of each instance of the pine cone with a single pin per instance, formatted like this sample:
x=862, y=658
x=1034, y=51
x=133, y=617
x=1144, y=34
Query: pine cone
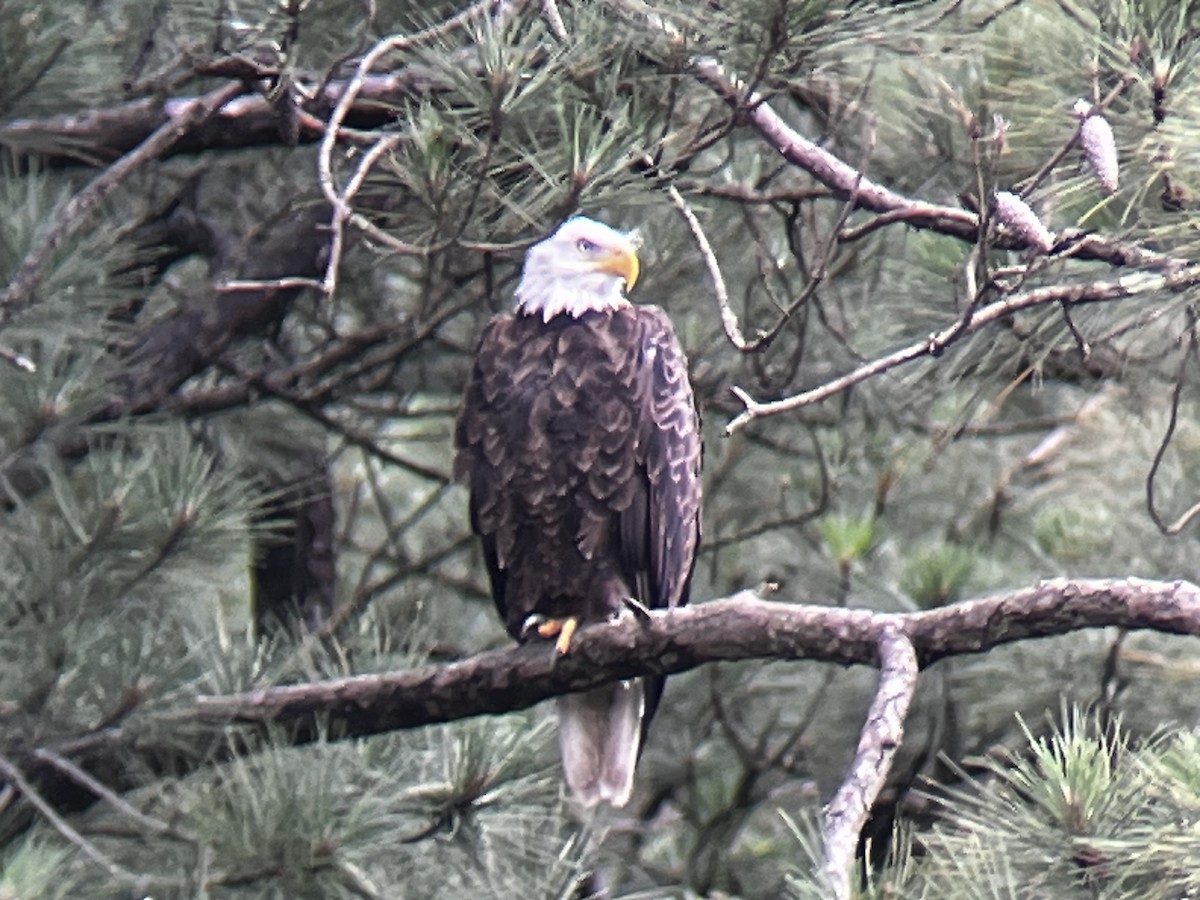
x=1099, y=146
x=1015, y=213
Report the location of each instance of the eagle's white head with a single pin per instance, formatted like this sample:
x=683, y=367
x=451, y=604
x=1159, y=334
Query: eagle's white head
x=584, y=266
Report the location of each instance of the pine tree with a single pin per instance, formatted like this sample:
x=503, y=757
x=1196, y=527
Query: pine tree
x=245, y=250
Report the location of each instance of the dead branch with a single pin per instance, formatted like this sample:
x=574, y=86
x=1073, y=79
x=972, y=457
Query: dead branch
x=850, y=807
x=98, y=136
x=740, y=627
x=339, y=200
x=117, y=872
x=1148, y=284
x=181, y=345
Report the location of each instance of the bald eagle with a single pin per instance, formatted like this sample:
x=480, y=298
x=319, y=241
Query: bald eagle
x=580, y=444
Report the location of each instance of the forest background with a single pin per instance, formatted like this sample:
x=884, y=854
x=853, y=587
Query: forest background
x=942, y=337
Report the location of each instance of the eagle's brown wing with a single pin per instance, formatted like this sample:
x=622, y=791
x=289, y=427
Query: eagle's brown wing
x=669, y=453
x=667, y=512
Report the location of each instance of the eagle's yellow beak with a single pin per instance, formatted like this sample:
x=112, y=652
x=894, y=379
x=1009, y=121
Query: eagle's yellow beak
x=621, y=260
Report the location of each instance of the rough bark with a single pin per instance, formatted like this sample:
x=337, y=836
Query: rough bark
x=735, y=628
x=741, y=627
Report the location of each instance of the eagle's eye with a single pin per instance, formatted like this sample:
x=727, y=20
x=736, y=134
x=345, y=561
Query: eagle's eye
x=583, y=245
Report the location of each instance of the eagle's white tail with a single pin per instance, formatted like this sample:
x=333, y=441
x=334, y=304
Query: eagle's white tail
x=598, y=732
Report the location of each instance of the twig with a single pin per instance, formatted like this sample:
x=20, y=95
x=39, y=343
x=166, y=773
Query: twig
x=352, y=435
x=235, y=286
x=847, y=812
x=1089, y=292
x=342, y=211
x=554, y=20
x=32, y=269
x=747, y=195
x=820, y=271
x=340, y=200
x=114, y=869
x=75, y=773
x=20, y=361
x=728, y=318
x=1189, y=350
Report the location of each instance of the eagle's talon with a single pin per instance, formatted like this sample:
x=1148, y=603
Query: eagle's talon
x=639, y=609
x=533, y=622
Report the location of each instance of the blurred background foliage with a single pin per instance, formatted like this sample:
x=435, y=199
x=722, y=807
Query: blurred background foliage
x=280, y=510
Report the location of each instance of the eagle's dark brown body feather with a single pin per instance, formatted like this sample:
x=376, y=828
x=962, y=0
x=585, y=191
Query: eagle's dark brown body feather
x=580, y=444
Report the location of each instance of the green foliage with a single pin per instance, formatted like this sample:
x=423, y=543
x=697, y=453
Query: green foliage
x=847, y=538
x=33, y=868
x=1077, y=814
x=1083, y=811
x=32, y=37
x=133, y=535
x=310, y=821
x=1069, y=534
x=936, y=575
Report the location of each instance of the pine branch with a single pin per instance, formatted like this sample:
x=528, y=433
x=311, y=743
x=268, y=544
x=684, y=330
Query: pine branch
x=117, y=872
x=181, y=345
x=249, y=121
x=740, y=627
x=848, y=183
x=736, y=628
x=29, y=274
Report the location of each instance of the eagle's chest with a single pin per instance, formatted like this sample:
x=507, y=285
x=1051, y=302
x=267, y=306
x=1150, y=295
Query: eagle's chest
x=576, y=390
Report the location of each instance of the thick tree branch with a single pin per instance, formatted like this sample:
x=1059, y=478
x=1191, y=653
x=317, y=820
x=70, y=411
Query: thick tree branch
x=847, y=183
x=98, y=136
x=354, y=109
x=735, y=628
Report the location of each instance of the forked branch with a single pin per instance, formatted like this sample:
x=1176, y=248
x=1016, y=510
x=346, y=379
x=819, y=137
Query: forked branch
x=740, y=627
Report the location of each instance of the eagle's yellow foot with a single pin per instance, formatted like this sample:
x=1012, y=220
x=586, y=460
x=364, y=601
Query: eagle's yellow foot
x=564, y=628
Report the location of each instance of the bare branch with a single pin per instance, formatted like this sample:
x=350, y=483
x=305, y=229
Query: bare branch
x=340, y=200
x=341, y=207
x=554, y=20
x=116, y=871
x=735, y=628
x=1088, y=292
x=235, y=286
x=847, y=812
x=105, y=793
x=728, y=319
x=1189, y=342
x=18, y=360
x=847, y=183
x=740, y=627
